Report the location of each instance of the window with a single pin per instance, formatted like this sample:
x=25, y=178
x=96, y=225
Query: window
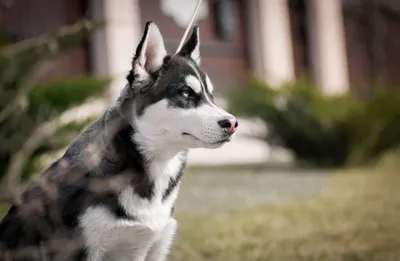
x=226, y=19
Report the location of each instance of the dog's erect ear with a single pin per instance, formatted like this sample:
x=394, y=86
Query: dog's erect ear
x=192, y=46
x=151, y=51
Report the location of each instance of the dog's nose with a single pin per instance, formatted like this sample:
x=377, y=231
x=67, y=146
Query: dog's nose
x=229, y=125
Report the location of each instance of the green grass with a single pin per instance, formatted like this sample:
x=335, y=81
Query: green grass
x=346, y=215
x=355, y=217
x=3, y=209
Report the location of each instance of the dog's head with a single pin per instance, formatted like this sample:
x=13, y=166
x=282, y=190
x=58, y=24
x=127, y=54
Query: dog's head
x=174, y=103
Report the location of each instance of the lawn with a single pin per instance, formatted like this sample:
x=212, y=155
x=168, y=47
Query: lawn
x=287, y=214
x=347, y=215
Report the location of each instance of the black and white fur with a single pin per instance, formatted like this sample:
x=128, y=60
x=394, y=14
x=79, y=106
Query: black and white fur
x=111, y=195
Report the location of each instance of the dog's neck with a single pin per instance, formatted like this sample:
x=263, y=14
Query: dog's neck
x=154, y=156
x=154, y=150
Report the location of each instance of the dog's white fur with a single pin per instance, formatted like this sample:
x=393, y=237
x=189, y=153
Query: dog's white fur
x=148, y=238
x=194, y=83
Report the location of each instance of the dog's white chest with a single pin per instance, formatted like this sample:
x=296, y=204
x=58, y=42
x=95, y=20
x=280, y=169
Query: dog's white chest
x=108, y=238
x=155, y=211
x=151, y=222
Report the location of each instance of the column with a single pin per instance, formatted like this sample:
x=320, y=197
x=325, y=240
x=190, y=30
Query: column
x=253, y=38
x=327, y=46
x=276, y=43
x=113, y=46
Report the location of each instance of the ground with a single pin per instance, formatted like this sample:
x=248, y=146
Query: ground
x=268, y=214
x=258, y=212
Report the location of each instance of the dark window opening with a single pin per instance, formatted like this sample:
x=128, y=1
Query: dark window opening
x=226, y=19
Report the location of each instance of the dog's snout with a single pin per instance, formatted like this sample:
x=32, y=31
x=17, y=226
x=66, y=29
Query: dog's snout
x=229, y=125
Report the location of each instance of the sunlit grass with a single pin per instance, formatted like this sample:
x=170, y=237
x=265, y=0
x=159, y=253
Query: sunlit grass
x=353, y=215
x=358, y=218
x=4, y=209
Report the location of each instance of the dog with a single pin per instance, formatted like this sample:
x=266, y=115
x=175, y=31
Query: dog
x=111, y=196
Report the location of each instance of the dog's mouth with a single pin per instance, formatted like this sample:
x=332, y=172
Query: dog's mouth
x=227, y=139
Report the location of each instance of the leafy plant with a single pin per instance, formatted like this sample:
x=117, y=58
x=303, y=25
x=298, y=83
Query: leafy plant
x=30, y=108
x=323, y=130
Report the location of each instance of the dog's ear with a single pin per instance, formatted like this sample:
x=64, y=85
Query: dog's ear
x=192, y=46
x=151, y=51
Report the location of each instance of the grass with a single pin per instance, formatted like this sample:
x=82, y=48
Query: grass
x=356, y=217
x=3, y=209
x=220, y=189
x=347, y=215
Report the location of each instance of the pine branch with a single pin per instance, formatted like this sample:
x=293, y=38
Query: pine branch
x=22, y=93
x=17, y=62
x=11, y=182
x=19, y=58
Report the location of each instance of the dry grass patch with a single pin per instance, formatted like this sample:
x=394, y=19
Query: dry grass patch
x=356, y=219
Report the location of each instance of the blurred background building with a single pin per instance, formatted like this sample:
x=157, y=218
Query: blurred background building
x=274, y=40
x=339, y=197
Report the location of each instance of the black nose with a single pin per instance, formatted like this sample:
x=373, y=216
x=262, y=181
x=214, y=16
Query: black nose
x=225, y=123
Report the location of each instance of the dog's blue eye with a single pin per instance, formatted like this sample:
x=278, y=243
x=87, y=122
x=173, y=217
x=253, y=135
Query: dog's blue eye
x=186, y=92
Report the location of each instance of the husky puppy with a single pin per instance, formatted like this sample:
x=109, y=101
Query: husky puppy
x=111, y=195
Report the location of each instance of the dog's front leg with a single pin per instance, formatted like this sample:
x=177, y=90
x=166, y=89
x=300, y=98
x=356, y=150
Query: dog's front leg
x=129, y=242
x=161, y=247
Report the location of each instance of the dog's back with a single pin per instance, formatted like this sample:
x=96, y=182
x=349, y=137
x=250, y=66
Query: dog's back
x=45, y=221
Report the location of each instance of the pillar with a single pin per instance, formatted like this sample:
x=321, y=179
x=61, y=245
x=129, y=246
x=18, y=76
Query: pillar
x=276, y=43
x=113, y=46
x=327, y=46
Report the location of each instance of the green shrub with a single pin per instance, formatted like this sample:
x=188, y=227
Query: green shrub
x=47, y=101
x=29, y=110
x=62, y=94
x=320, y=129
x=375, y=129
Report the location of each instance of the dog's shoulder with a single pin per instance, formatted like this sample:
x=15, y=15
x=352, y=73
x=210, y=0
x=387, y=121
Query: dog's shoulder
x=36, y=210
x=52, y=204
